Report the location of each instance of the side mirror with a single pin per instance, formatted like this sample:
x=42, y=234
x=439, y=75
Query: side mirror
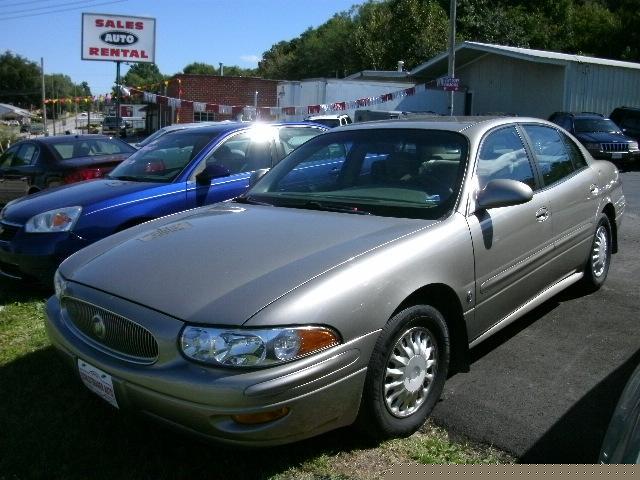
x=210, y=172
x=503, y=193
x=257, y=175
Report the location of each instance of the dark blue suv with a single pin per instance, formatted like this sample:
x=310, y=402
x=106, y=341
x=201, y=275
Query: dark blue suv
x=180, y=170
x=601, y=137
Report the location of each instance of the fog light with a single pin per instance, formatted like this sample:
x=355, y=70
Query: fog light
x=261, y=417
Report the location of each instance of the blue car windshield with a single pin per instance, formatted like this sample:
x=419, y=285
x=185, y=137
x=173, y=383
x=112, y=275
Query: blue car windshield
x=406, y=173
x=163, y=159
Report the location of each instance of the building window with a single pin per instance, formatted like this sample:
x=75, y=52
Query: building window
x=204, y=116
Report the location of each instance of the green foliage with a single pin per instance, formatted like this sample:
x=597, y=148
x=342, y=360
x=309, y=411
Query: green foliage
x=200, y=68
x=144, y=74
x=20, y=81
x=21, y=84
x=379, y=33
x=8, y=136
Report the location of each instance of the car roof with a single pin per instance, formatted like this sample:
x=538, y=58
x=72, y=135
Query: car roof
x=66, y=138
x=320, y=117
x=230, y=126
x=454, y=123
x=580, y=114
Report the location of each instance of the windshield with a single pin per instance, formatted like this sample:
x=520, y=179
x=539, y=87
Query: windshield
x=586, y=125
x=163, y=159
x=400, y=173
x=152, y=137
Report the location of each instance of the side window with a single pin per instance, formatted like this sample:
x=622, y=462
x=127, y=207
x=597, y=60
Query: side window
x=245, y=152
x=574, y=152
x=20, y=156
x=551, y=153
x=28, y=154
x=6, y=160
x=291, y=138
x=502, y=156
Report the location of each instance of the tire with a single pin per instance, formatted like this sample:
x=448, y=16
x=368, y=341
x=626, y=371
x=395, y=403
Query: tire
x=402, y=386
x=597, y=266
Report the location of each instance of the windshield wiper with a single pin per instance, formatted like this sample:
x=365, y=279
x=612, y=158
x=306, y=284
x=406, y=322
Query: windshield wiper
x=130, y=178
x=315, y=205
x=249, y=201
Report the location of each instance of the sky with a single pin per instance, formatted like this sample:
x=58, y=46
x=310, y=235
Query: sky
x=234, y=32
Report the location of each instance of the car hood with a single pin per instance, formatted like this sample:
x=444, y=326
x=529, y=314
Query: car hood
x=603, y=137
x=86, y=194
x=221, y=264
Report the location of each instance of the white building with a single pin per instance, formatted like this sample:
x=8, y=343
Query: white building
x=521, y=81
x=319, y=91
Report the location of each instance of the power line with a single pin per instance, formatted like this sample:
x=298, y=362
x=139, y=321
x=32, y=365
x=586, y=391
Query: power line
x=20, y=4
x=45, y=7
x=61, y=10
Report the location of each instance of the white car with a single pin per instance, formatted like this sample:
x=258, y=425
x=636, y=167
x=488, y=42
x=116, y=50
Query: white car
x=330, y=121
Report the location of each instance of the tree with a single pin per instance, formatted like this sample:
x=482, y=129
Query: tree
x=20, y=81
x=144, y=75
x=200, y=69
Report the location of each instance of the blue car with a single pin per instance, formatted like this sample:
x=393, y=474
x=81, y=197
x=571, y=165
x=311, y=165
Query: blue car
x=179, y=170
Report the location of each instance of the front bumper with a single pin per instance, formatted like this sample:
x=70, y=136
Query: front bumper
x=36, y=255
x=322, y=392
x=616, y=157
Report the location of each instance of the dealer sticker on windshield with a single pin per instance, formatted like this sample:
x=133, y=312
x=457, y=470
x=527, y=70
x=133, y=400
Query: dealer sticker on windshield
x=97, y=381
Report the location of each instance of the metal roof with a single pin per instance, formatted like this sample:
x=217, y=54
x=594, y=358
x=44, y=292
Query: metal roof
x=470, y=51
x=5, y=108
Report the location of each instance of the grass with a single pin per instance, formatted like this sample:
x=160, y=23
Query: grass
x=51, y=426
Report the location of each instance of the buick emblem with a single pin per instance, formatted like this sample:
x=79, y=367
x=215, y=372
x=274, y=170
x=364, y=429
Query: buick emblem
x=99, y=328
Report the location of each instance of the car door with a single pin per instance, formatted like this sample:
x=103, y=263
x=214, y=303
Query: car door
x=18, y=170
x=573, y=192
x=512, y=245
x=239, y=154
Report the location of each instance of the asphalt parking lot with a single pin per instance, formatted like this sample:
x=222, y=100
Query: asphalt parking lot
x=544, y=389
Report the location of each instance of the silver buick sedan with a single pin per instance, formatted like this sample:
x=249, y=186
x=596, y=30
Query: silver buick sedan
x=345, y=286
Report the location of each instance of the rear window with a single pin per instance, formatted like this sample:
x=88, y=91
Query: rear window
x=90, y=148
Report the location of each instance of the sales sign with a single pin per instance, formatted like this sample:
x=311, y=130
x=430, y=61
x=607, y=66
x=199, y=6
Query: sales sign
x=450, y=84
x=118, y=38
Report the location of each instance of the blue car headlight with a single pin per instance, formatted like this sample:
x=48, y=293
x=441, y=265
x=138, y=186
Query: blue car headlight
x=58, y=220
x=238, y=347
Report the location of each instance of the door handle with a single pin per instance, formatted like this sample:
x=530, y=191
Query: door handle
x=24, y=179
x=593, y=188
x=542, y=214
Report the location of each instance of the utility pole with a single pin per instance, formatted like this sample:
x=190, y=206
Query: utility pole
x=53, y=109
x=44, y=106
x=452, y=49
x=118, y=95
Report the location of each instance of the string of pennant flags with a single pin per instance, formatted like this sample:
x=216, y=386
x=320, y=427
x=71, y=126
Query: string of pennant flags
x=149, y=97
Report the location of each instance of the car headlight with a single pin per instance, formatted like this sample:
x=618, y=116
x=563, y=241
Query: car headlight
x=58, y=220
x=633, y=146
x=59, y=284
x=238, y=347
x=592, y=146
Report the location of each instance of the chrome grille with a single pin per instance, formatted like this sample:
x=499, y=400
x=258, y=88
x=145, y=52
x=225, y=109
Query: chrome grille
x=115, y=333
x=7, y=231
x=614, y=147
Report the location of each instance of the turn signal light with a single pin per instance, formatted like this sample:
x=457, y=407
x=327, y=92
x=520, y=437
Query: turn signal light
x=261, y=417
